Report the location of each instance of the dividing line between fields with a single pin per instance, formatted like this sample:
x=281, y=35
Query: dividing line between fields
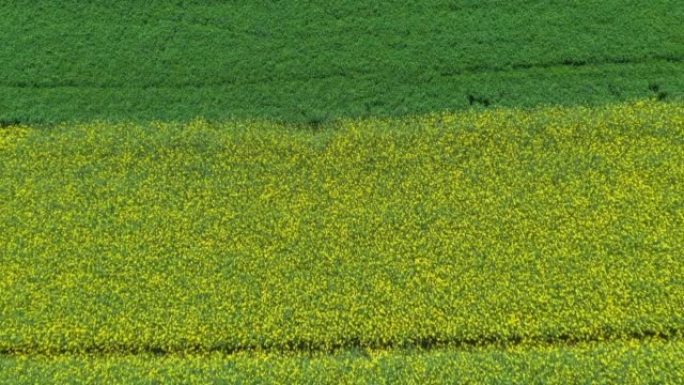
x=352, y=344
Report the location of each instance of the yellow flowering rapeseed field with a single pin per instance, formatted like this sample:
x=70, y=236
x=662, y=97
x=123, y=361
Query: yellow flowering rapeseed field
x=544, y=227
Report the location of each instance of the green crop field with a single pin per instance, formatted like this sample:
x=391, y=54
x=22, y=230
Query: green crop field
x=300, y=192
x=311, y=61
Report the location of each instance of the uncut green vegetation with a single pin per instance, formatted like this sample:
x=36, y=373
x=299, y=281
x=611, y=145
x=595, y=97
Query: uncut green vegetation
x=311, y=61
x=554, y=225
x=648, y=362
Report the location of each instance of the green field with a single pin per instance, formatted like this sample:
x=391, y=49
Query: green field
x=316, y=61
x=301, y=192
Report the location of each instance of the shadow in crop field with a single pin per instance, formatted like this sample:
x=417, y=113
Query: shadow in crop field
x=481, y=100
x=657, y=91
x=7, y=123
x=355, y=344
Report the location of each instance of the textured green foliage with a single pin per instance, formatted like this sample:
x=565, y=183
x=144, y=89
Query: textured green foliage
x=551, y=225
x=300, y=61
x=649, y=362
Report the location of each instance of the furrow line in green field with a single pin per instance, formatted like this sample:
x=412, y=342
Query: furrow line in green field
x=445, y=73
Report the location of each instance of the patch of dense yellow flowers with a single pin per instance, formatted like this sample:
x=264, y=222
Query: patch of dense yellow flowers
x=10, y=136
x=551, y=224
